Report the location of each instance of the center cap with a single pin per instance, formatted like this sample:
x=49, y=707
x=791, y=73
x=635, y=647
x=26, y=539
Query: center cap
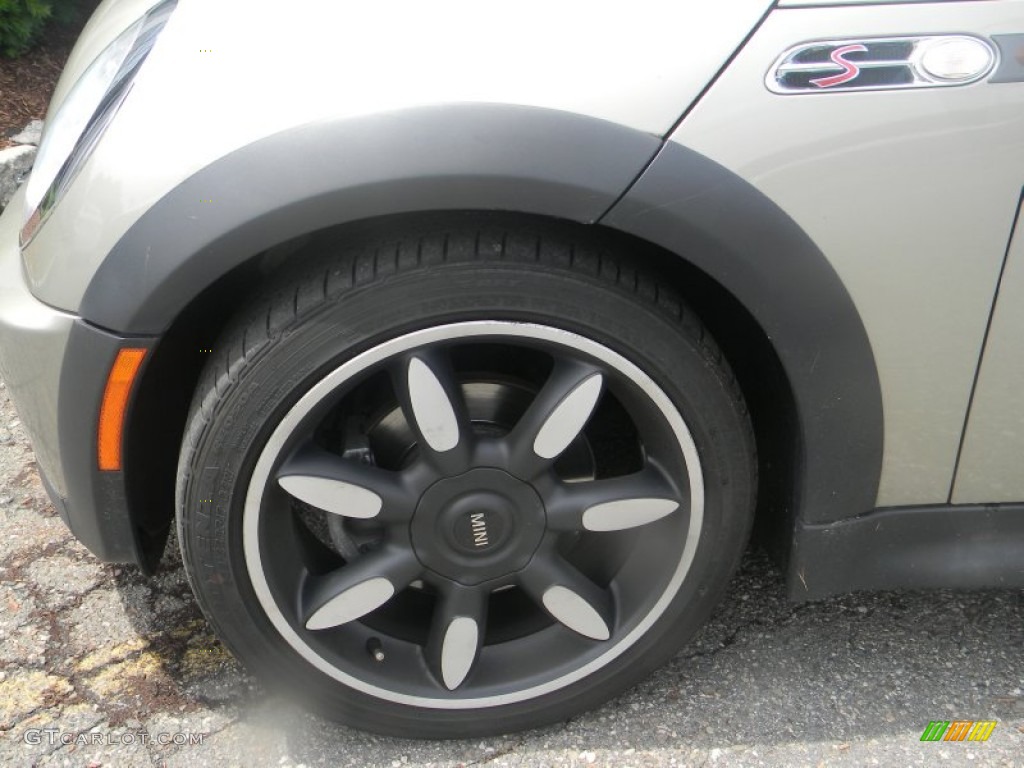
x=478, y=526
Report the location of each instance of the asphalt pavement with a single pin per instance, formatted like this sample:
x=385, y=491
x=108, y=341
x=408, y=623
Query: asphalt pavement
x=101, y=666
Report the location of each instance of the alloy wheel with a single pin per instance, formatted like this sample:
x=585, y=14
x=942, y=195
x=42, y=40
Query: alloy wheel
x=473, y=514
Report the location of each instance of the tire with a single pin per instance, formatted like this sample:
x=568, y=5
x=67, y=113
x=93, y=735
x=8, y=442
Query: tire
x=463, y=483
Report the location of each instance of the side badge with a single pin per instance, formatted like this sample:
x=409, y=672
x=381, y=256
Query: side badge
x=881, y=64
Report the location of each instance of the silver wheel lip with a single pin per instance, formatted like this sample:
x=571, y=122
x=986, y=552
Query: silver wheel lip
x=261, y=477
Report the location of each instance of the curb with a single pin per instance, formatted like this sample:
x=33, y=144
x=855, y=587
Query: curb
x=16, y=161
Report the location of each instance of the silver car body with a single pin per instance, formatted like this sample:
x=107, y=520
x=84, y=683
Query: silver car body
x=910, y=195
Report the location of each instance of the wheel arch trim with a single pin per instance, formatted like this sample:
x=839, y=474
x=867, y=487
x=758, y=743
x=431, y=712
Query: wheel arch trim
x=719, y=223
x=324, y=174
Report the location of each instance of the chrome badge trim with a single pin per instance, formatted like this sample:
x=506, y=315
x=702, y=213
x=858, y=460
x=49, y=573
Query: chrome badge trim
x=876, y=64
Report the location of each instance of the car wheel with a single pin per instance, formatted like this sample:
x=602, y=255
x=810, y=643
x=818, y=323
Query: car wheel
x=463, y=483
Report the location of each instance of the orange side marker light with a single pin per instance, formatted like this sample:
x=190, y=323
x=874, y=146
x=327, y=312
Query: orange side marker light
x=115, y=402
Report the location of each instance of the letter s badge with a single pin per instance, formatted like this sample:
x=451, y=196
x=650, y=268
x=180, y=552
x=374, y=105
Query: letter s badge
x=850, y=70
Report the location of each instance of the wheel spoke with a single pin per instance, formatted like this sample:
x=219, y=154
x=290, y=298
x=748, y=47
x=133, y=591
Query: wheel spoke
x=431, y=405
x=614, y=504
x=344, y=487
x=627, y=513
x=571, y=598
x=432, y=402
x=556, y=417
x=456, y=635
x=564, y=420
x=358, y=588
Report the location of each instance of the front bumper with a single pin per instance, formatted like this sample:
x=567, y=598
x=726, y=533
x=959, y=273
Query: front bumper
x=33, y=339
x=55, y=367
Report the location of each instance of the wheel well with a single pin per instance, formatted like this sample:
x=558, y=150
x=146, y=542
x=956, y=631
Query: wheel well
x=165, y=391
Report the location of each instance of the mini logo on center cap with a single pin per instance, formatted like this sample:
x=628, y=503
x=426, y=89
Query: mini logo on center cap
x=478, y=525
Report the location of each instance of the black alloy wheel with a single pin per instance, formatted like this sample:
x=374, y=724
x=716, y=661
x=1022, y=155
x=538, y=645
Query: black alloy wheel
x=434, y=509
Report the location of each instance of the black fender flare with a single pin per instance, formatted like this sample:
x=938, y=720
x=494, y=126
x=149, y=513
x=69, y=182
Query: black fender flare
x=717, y=221
x=328, y=173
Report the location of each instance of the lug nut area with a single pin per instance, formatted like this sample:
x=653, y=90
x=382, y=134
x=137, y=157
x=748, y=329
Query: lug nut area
x=478, y=526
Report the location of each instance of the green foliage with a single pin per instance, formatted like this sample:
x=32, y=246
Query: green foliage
x=22, y=21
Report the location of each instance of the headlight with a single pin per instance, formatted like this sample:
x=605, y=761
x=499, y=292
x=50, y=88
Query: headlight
x=73, y=132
